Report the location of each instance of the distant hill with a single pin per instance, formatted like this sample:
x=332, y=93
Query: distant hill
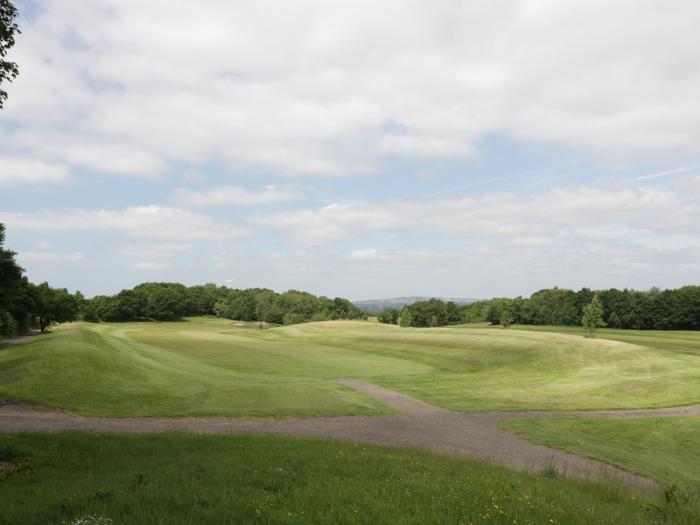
x=374, y=305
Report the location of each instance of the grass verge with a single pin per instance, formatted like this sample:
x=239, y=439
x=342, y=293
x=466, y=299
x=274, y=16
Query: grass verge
x=667, y=449
x=186, y=479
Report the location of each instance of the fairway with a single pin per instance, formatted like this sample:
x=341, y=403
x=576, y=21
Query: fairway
x=208, y=366
x=682, y=341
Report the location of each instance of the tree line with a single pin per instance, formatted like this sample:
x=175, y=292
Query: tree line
x=170, y=301
x=674, y=309
x=24, y=305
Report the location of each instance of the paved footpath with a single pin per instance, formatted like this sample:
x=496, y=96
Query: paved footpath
x=416, y=425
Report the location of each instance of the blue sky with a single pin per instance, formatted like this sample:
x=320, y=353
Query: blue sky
x=345, y=148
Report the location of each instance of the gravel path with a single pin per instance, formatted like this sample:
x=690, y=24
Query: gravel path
x=17, y=338
x=417, y=425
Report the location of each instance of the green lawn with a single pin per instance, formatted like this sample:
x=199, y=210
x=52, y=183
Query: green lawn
x=667, y=449
x=193, y=479
x=206, y=366
x=675, y=340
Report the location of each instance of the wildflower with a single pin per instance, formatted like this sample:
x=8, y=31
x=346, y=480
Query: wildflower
x=92, y=519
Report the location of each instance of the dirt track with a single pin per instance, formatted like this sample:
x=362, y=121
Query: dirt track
x=17, y=338
x=417, y=425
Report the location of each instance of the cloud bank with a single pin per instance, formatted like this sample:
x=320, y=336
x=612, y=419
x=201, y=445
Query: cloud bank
x=327, y=88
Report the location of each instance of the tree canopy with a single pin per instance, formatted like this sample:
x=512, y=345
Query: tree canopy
x=592, y=316
x=169, y=301
x=8, y=30
x=677, y=309
x=24, y=305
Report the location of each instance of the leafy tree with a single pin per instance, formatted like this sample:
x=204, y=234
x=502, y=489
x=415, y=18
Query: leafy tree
x=592, y=317
x=10, y=285
x=388, y=316
x=10, y=273
x=8, y=29
x=293, y=318
x=432, y=312
x=614, y=320
x=24, y=306
x=506, y=317
x=454, y=316
x=54, y=305
x=164, y=301
x=319, y=316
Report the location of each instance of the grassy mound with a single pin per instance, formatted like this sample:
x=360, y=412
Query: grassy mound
x=205, y=366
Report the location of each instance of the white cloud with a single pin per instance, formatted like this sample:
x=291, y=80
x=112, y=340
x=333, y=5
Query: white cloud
x=364, y=254
x=414, y=146
x=234, y=195
x=154, y=250
x=146, y=222
x=151, y=266
x=311, y=86
x=15, y=171
x=46, y=256
x=689, y=184
x=607, y=214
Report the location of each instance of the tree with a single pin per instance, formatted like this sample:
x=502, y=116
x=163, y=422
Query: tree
x=8, y=29
x=592, y=317
x=54, y=305
x=506, y=317
x=388, y=316
x=614, y=320
x=10, y=285
x=10, y=273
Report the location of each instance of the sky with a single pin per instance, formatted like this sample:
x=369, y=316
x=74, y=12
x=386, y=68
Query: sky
x=357, y=149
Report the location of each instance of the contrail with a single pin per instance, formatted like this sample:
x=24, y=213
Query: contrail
x=479, y=183
x=668, y=173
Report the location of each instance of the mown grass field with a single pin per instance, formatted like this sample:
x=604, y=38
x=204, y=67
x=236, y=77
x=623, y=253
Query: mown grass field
x=666, y=449
x=682, y=341
x=171, y=479
x=206, y=366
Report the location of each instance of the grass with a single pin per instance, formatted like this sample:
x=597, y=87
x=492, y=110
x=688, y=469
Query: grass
x=682, y=341
x=661, y=448
x=206, y=366
x=193, y=479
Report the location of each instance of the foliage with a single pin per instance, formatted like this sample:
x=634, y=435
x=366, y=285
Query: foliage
x=506, y=317
x=54, y=305
x=430, y=313
x=592, y=316
x=170, y=301
x=8, y=30
x=10, y=283
x=187, y=478
x=654, y=309
x=23, y=304
x=388, y=316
